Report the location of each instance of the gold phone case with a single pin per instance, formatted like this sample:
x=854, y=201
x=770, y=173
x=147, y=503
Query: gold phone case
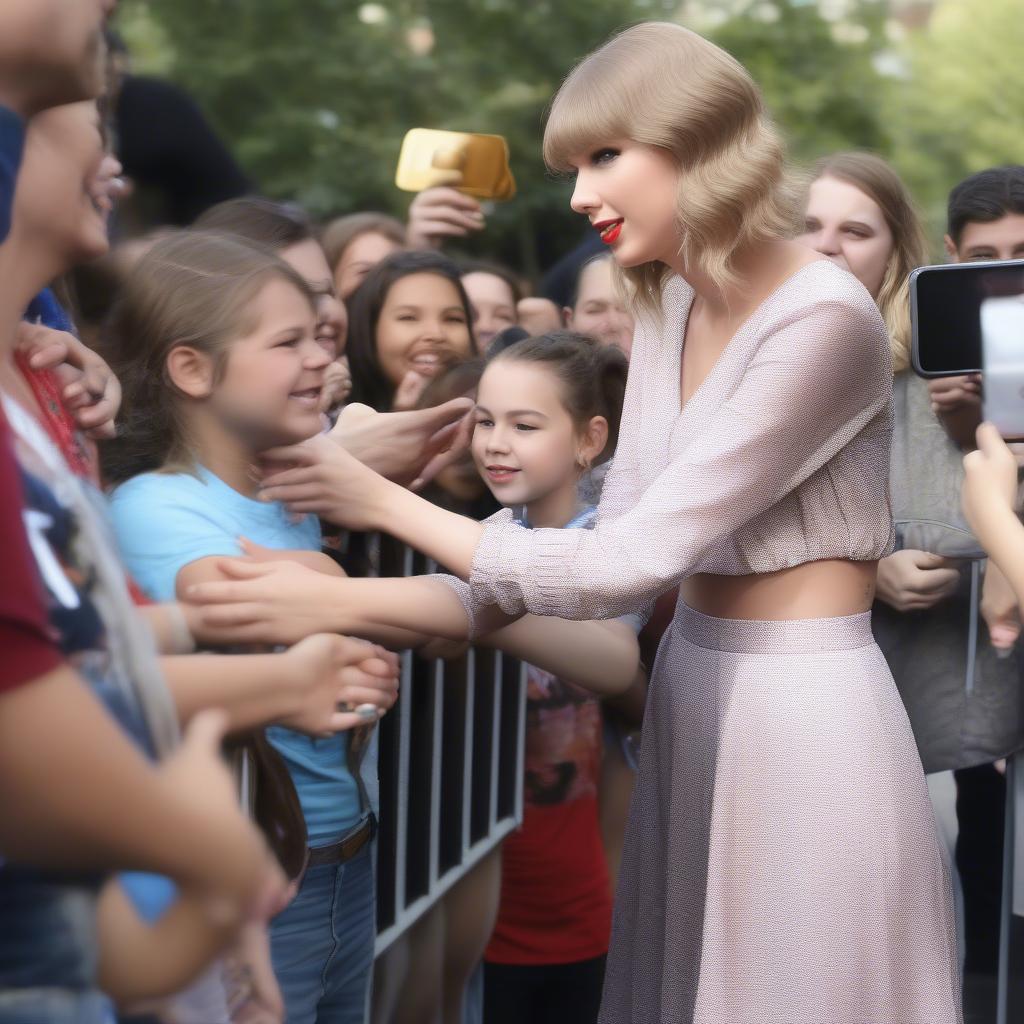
x=474, y=164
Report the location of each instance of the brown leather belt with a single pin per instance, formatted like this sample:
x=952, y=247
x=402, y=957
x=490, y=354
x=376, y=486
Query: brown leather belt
x=346, y=847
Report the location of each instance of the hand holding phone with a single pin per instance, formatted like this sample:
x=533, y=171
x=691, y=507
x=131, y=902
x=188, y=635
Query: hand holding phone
x=477, y=165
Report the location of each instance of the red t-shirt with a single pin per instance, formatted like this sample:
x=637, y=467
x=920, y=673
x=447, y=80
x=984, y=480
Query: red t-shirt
x=29, y=648
x=556, y=903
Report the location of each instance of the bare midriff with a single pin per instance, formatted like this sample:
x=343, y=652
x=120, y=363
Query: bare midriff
x=814, y=590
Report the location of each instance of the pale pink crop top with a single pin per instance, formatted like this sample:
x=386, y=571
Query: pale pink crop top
x=780, y=457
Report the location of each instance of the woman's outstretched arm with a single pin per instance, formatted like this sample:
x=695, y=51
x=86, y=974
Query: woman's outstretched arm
x=280, y=602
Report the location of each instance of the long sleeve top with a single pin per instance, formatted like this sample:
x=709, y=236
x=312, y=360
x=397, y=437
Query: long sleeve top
x=780, y=457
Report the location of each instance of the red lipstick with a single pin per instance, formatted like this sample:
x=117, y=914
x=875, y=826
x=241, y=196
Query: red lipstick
x=609, y=230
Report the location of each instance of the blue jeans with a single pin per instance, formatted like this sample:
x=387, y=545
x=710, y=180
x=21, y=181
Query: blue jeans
x=54, y=1006
x=321, y=945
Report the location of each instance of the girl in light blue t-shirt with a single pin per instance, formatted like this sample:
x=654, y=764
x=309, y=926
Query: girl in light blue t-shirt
x=215, y=344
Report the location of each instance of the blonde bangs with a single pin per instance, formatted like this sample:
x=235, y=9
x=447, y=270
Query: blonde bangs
x=662, y=85
x=591, y=109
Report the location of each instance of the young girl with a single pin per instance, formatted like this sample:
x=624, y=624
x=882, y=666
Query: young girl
x=547, y=409
x=216, y=345
x=409, y=319
x=782, y=862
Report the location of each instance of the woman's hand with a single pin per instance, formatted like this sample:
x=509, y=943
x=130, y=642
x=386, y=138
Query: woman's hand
x=319, y=477
x=407, y=447
x=990, y=486
x=911, y=581
x=261, y=603
x=89, y=389
x=347, y=683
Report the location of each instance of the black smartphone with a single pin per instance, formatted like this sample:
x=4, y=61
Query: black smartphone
x=946, y=313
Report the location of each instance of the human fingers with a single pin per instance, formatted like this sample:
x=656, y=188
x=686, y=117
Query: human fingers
x=441, y=195
x=440, y=417
x=932, y=580
x=408, y=392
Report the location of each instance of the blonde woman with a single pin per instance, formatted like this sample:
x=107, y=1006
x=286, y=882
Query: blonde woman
x=782, y=863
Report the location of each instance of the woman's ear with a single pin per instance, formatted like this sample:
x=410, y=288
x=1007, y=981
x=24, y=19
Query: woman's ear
x=191, y=371
x=592, y=441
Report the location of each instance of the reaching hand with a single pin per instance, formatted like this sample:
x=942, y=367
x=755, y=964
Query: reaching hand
x=440, y=213
x=90, y=391
x=347, y=683
x=403, y=446
x=261, y=602
x=320, y=477
x=990, y=486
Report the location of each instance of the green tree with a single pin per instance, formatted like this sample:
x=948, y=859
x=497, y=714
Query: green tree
x=314, y=97
x=958, y=109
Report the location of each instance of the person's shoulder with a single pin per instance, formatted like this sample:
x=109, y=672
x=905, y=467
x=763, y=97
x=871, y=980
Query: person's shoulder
x=830, y=303
x=159, y=486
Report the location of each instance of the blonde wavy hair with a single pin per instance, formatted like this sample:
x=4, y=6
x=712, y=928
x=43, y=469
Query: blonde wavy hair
x=662, y=85
x=880, y=183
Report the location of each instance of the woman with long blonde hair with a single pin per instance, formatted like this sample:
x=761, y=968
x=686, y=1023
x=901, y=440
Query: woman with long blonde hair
x=781, y=863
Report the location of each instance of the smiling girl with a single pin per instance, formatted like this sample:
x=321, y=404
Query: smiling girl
x=216, y=344
x=782, y=862
x=409, y=320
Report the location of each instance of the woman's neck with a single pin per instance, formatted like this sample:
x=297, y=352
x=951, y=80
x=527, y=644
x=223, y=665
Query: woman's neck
x=758, y=269
x=223, y=453
x=556, y=509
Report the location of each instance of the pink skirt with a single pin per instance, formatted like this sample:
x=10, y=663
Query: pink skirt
x=781, y=863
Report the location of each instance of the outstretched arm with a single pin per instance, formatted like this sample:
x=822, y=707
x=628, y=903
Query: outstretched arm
x=282, y=602
x=811, y=387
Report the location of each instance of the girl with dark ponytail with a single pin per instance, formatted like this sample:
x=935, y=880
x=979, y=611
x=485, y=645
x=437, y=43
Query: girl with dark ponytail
x=547, y=414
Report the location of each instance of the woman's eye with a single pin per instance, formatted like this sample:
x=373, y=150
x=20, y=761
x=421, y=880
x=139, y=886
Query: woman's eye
x=485, y=423
x=524, y=427
x=603, y=156
x=455, y=319
x=288, y=343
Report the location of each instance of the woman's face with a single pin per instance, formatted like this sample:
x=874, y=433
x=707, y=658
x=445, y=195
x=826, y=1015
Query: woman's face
x=422, y=327
x=493, y=305
x=847, y=226
x=629, y=192
x=67, y=183
x=361, y=255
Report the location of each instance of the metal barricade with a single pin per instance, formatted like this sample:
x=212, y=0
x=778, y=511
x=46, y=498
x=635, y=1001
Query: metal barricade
x=451, y=770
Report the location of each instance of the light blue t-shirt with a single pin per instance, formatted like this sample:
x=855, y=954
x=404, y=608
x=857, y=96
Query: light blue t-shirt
x=163, y=522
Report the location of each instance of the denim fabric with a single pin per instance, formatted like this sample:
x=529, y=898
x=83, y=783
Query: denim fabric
x=54, y=1006
x=322, y=944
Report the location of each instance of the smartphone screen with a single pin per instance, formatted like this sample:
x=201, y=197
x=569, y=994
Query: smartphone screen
x=945, y=308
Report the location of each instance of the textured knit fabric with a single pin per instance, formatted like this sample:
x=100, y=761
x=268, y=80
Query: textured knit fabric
x=781, y=864
x=780, y=457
